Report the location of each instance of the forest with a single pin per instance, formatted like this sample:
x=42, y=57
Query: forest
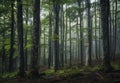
x=59, y=41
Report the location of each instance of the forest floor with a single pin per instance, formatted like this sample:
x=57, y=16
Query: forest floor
x=70, y=76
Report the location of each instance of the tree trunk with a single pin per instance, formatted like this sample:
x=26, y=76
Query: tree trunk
x=35, y=39
x=11, y=63
x=89, y=33
x=20, y=37
x=50, y=41
x=26, y=41
x=105, y=10
x=56, y=7
x=66, y=37
x=70, y=41
x=96, y=54
x=44, y=56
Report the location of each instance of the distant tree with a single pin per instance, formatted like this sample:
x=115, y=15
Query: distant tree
x=44, y=56
x=50, y=40
x=66, y=30
x=96, y=47
x=115, y=30
x=70, y=36
x=26, y=35
x=62, y=35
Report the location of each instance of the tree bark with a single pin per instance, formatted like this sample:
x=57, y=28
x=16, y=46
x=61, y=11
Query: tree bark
x=35, y=39
x=12, y=40
x=56, y=7
x=20, y=37
x=105, y=10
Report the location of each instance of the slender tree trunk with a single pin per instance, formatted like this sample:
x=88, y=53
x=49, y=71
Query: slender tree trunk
x=50, y=41
x=62, y=36
x=11, y=61
x=66, y=37
x=77, y=42
x=89, y=32
x=44, y=56
x=26, y=33
x=96, y=32
x=56, y=7
x=70, y=41
x=20, y=37
x=115, y=33
x=3, y=52
x=81, y=32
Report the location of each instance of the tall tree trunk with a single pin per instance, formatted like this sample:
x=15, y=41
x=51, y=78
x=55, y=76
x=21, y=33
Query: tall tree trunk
x=56, y=7
x=50, y=41
x=105, y=10
x=11, y=63
x=44, y=56
x=3, y=52
x=96, y=31
x=81, y=31
x=26, y=33
x=77, y=42
x=70, y=41
x=20, y=37
x=89, y=32
x=35, y=39
x=62, y=36
x=115, y=32
x=66, y=37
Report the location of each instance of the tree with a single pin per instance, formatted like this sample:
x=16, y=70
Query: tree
x=89, y=32
x=81, y=32
x=96, y=30
x=50, y=41
x=56, y=6
x=20, y=37
x=105, y=10
x=35, y=39
x=12, y=38
x=70, y=43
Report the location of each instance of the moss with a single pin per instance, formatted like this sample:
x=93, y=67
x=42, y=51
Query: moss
x=116, y=66
x=10, y=75
x=49, y=72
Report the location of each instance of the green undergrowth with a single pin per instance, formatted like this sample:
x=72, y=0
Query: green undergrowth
x=116, y=66
x=71, y=71
x=63, y=72
x=9, y=75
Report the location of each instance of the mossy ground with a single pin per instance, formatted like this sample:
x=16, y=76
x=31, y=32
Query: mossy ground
x=85, y=74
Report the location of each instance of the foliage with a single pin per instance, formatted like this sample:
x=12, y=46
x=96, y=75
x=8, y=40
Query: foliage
x=116, y=66
x=49, y=72
x=10, y=75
